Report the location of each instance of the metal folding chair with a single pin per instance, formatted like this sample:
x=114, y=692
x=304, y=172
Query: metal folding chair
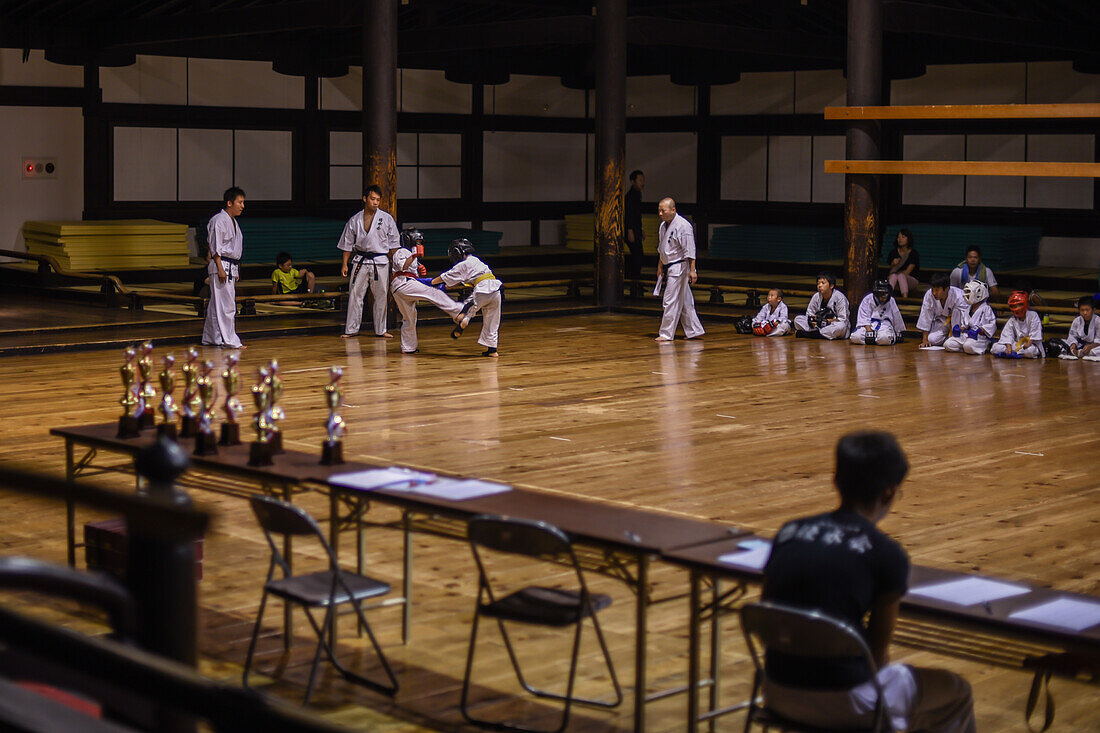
x=554, y=607
x=325, y=589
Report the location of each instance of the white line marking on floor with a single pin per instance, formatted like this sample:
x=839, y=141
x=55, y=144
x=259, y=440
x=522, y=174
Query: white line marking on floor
x=1026, y=453
x=728, y=417
x=310, y=369
x=571, y=328
x=816, y=357
x=661, y=373
x=567, y=440
x=516, y=389
x=1021, y=376
x=872, y=396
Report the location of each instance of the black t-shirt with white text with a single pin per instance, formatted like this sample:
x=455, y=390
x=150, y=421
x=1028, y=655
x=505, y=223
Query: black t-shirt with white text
x=838, y=564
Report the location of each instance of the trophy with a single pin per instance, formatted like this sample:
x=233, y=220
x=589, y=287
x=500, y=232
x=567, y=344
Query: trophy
x=275, y=412
x=231, y=380
x=205, y=441
x=147, y=393
x=332, y=451
x=129, y=425
x=191, y=401
x=167, y=405
x=260, y=449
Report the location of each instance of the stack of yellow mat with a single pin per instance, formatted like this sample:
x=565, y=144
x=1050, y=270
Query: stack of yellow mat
x=109, y=245
x=580, y=231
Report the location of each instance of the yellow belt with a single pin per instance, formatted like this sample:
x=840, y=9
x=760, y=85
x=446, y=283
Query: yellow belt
x=481, y=278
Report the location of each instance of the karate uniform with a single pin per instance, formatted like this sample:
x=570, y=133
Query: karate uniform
x=369, y=267
x=960, y=276
x=407, y=290
x=838, y=329
x=223, y=237
x=1016, y=329
x=779, y=317
x=982, y=322
x=486, y=296
x=1081, y=336
x=676, y=245
x=885, y=319
x=934, y=315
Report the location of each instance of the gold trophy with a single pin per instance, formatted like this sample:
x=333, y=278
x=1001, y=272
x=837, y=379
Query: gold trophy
x=275, y=411
x=191, y=402
x=332, y=451
x=206, y=443
x=231, y=380
x=147, y=393
x=129, y=425
x=259, y=453
x=167, y=376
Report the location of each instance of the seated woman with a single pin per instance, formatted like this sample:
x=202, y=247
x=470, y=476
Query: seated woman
x=904, y=264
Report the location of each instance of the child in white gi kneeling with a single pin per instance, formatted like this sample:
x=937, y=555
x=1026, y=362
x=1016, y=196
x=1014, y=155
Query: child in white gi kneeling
x=938, y=310
x=973, y=329
x=878, y=321
x=1083, y=341
x=827, y=313
x=772, y=320
x=468, y=270
x=1022, y=335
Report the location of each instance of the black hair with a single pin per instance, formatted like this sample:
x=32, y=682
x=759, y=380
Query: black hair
x=283, y=257
x=868, y=464
x=974, y=248
x=373, y=188
x=778, y=291
x=940, y=280
x=908, y=237
x=1085, y=300
x=231, y=194
x=634, y=174
x=826, y=275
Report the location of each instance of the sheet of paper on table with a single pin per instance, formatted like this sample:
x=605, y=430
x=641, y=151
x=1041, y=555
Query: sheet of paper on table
x=1063, y=613
x=459, y=489
x=379, y=478
x=970, y=591
x=753, y=544
x=754, y=559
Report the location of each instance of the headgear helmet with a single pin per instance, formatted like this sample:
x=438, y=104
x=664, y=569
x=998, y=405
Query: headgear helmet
x=1017, y=303
x=975, y=292
x=410, y=238
x=882, y=291
x=459, y=249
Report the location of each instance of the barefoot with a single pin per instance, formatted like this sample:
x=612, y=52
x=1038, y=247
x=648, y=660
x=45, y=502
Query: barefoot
x=662, y=340
x=386, y=335
x=349, y=335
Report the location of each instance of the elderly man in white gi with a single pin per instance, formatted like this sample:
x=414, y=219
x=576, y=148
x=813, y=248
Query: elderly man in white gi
x=676, y=268
x=366, y=242
x=224, y=240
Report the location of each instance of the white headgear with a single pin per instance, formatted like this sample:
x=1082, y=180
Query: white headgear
x=976, y=292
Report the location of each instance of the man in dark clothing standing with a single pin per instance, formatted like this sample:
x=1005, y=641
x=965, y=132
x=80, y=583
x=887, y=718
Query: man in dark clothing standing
x=632, y=230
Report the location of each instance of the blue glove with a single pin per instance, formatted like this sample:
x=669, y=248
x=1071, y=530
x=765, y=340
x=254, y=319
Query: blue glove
x=956, y=331
x=972, y=333
x=442, y=286
x=424, y=281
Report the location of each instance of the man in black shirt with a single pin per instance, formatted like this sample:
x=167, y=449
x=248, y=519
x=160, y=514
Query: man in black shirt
x=632, y=230
x=841, y=565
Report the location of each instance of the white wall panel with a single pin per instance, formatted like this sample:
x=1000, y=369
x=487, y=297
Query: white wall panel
x=668, y=160
x=440, y=149
x=552, y=232
x=344, y=92
x=657, y=96
x=206, y=164
x=933, y=190
x=534, y=166
x=963, y=84
x=347, y=183
x=406, y=148
x=516, y=233
x=346, y=148
x=145, y=163
x=151, y=80
x=827, y=187
x=745, y=168
x=423, y=90
x=231, y=83
x=789, y=162
x=994, y=190
x=440, y=183
x=757, y=93
x=37, y=71
x=1061, y=193
x=542, y=96
x=1069, y=251
x=407, y=184
x=1051, y=82
x=263, y=164
x=815, y=90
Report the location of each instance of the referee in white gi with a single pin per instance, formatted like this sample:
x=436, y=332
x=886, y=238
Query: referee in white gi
x=366, y=242
x=676, y=264
x=226, y=245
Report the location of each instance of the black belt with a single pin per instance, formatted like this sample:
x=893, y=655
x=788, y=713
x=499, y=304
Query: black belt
x=359, y=256
x=360, y=253
x=231, y=261
x=670, y=264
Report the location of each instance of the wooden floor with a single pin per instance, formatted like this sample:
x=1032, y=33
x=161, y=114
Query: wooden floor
x=1004, y=480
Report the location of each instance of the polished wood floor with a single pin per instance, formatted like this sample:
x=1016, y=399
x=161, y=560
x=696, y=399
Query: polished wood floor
x=1005, y=479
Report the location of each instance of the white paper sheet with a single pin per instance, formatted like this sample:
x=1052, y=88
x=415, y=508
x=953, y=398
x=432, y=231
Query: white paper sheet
x=970, y=591
x=660, y=281
x=1062, y=613
x=932, y=348
x=753, y=544
x=378, y=478
x=754, y=559
x=459, y=489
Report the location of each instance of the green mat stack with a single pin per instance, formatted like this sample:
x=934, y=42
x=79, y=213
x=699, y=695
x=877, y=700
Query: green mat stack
x=943, y=246
x=580, y=231
x=109, y=245
x=778, y=243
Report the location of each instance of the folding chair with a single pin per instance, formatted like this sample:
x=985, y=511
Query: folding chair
x=325, y=589
x=808, y=634
x=554, y=607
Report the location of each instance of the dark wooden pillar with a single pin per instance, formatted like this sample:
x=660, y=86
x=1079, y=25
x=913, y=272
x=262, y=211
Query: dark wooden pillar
x=98, y=168
x=610, y=52
x=864, y=142
x=380, y=99
x=311, y=154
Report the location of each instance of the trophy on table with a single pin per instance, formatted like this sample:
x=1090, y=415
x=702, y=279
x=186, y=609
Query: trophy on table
x=260, y=450
x=168, y=410
x=275, y=411
x=147, y=393
x=231, y=380
x=206, y=443
x=332, y=451
x=191, y=402
x=129, y=425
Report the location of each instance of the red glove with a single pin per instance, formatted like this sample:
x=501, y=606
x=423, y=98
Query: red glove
x=421, y=270
x=419, y=250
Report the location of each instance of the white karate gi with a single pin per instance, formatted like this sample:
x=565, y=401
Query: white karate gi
x=981, y=320
x=486, y=296
x=406, y=291
x=838, y=329
x=1081, y=336
x=675, y=245
x=934, y=315
x=369, y=267
x=779, y=317
x=886, y=317
x=223, y=237
x=961, y=276
x=1015, y=329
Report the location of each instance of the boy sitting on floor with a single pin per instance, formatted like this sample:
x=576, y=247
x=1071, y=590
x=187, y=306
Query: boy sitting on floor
x=937, y=312
x=827, y=314
x=1084, y=334
x=285, y=280
x=772, y=320
x=974, y=327
x=1022, y=335
x=878, y=321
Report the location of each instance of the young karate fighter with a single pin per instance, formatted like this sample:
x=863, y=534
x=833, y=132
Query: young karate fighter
x=467, y=269
x=937, y=312
x=1084, y=333
x=878, y=321
x=973, y=329
x=827, y=314
x=226, y=244
x=408, y=287
x=1022, y=335
x=772, y=320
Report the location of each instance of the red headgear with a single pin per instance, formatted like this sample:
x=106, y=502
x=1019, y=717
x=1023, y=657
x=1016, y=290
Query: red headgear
x=1017, y=303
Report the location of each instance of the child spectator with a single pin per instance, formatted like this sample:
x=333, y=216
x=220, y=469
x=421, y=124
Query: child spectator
x=937, y=312
x=973, y=329
x=827, y=313
x=904, y=264
x=285, y=280
x=772, y=320
x=1084, y=334
x=972, y=269
x=878, y=321
x=1022, y=335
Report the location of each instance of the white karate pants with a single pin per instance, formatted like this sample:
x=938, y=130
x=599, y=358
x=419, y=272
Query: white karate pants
x=220, y=328
x=937, y=335
x=1031, y=351
x=373, y=275
x=679, y=305
x=781, y=330
x=967, y=345
x=883, y=337
x=834, y=330
x=490, y=319
x=406, y=292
